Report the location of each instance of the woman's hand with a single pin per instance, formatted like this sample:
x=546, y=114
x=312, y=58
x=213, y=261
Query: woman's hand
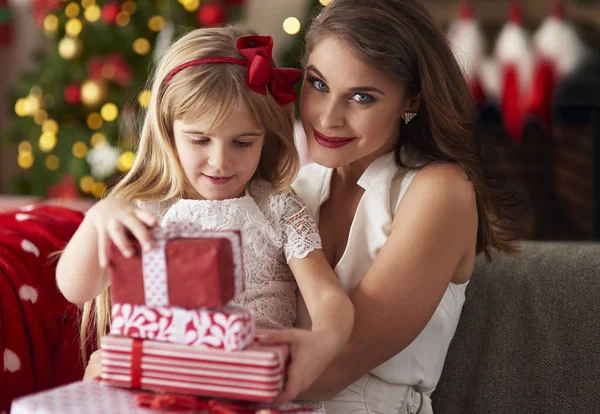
x=94, y=366
x=113, y=219
x=310, y=353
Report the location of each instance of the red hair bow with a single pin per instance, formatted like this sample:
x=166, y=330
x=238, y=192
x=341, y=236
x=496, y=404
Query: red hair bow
x=258, y=50
x=260, y=75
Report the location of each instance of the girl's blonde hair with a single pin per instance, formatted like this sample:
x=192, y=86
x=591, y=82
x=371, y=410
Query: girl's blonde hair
x=209, y=88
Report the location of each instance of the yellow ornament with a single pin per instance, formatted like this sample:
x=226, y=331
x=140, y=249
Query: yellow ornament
x=98, y=190
x=190, y=5
x=69, y=48
x=25, y=146
x=291, y=25
x=40, y=116
x=21, y=107
x=86, y=4
x=92, y=93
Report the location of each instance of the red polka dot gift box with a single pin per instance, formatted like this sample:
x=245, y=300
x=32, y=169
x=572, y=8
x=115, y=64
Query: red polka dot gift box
x=188, y=267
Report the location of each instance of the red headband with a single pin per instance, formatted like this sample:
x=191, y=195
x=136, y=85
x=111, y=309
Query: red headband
x=257, y=50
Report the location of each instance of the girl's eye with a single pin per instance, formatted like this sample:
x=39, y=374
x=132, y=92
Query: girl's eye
x=318, y=84
x=202, y=141
x=243, y=144
x=363, y=98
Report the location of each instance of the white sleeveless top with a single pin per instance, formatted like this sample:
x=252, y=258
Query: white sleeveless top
x=384, y=183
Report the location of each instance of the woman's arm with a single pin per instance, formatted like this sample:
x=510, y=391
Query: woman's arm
x=435, y=227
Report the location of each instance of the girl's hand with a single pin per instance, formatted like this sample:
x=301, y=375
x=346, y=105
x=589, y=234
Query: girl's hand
x=310, y=353
x=93, y=369
x=113, y=219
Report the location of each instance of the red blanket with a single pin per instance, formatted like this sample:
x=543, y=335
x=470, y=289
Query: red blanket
x=39, y=329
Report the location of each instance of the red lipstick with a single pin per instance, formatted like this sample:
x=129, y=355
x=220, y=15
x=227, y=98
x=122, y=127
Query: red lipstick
x=332, y=142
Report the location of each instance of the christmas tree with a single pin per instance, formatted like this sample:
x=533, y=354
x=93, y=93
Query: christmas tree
x=292, y=58
x=76, y=113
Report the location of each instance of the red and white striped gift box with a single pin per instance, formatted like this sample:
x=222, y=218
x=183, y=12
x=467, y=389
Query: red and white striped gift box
x=256, y=373
x=230, y=328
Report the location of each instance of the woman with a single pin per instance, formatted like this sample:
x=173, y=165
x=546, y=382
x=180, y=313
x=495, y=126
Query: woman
x=399, y=194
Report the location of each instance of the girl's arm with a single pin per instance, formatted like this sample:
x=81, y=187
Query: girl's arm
x=80, y=272
x=434, y=231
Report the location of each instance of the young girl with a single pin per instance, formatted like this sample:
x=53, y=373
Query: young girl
x=217, y=148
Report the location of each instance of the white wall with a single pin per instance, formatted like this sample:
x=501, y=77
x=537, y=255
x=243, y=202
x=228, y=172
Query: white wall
x=263, y=16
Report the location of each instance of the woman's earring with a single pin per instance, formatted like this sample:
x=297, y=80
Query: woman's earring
x=409, y=116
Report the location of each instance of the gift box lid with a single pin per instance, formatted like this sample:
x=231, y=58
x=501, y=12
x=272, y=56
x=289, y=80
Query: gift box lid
x=188, y=267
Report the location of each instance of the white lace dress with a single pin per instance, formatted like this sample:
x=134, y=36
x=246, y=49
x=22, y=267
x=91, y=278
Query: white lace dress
x=275, y=227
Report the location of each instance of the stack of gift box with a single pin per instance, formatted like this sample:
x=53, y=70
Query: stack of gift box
x=172, y=330
x=174, y=344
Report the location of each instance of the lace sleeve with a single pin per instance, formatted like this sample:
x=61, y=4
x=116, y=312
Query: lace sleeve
x=300, y=232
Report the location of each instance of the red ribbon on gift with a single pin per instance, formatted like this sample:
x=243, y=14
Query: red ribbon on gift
x=136, y=363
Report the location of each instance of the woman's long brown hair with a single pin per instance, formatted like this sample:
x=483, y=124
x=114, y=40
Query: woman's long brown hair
x=400, y=38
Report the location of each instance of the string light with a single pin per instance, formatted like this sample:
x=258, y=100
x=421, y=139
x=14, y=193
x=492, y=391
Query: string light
x=51, y=23
x=72, y=10
x=86, y=183
x=47, y=141
x=79, y=149
x=156, y=23
x=94, y=121
x=52, y=162
x=325, y=2
x=109, y=112
x=69, y=48
x=129, y=7
x=25, y=160
x=141, y=46
x=25, y=146
x=40, y=116
x=125, y=161
x=123, y=19
x=144, y=98
x=50, y=126
x=291, y=25
x=98, y=139
x=92, y=13
x=98, y=189
x=190, y=5
x=74, y=27
x=86, y=4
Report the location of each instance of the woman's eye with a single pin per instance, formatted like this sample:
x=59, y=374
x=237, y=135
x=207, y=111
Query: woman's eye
x=363, y=98
x=318, y=84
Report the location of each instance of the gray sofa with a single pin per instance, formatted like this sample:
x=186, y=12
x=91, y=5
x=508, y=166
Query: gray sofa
x=529, y=336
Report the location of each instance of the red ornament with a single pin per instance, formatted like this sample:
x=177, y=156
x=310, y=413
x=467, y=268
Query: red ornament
x=110, y=12
x=66, y=188
x=72, y=94
x=113, y=67
x=41, y=8
x=211, y=15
